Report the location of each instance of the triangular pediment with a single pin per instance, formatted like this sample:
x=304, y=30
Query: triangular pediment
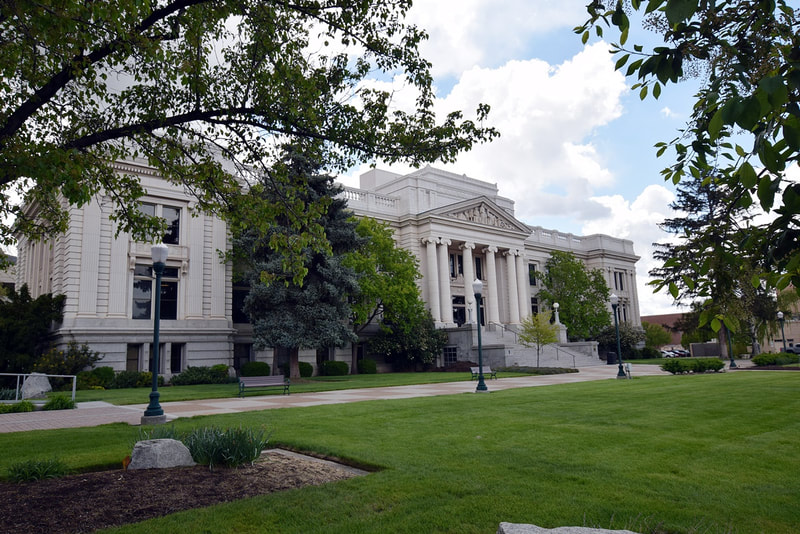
x=481, y=211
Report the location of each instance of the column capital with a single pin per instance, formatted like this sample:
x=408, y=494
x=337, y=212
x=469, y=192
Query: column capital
x=429, y=239
x=444, y=241
x=511, y=252
x=464, y=246
x=492, y=250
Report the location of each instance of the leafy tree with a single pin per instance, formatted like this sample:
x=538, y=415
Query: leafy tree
x=24, y=326
x=537, y=331
x=411, y=345
x=198, y=88
x=581, y=294
x=285, y=313
x=744, y=132
x=629, y=337
x=655, y=335
x=387, y=280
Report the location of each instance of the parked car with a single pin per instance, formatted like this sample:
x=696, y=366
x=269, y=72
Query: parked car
x=682, y=353
x=793, y=350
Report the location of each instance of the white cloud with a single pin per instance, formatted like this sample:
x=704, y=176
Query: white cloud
x=466, y=33
x=638, y=221
x=668, y=113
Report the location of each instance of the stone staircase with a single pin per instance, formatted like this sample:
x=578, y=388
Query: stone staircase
x=553, y=355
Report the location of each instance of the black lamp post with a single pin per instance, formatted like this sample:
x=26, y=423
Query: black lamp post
x=783, y=336
x=614, y=305
x=154, y=414
x=477, y=286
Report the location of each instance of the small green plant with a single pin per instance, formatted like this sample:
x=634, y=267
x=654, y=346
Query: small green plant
x=66, y=362
x=692, y=365
x=217, y=374
x=367, y=366
x=334, y=368
x=8, y=394
x=781, y=358
x=254, y=369
x=31, y=470
x=59, y=402
x=134, y=379
x=306, y=369
x=230, y=447
x=99, y=377
x=19, y=407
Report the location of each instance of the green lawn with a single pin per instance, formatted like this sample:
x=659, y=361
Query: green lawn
x=672, y=454
x=306, y=385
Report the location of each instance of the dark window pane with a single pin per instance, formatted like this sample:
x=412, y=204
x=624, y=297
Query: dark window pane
x=237, y=311
x=142, y=290
x=172, y=216
x=143, y=270
x=141, y=309
x=170, y=272
x=147, y=209
x=169, y=300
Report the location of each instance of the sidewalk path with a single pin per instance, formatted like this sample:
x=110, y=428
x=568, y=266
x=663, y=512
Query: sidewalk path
x=100, y=413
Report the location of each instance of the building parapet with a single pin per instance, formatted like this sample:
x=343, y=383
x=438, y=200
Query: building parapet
x=360, y=200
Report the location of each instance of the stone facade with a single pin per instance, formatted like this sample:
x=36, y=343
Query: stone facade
x=458, y=227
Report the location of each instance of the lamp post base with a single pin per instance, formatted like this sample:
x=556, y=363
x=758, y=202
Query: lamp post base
x=154, y=419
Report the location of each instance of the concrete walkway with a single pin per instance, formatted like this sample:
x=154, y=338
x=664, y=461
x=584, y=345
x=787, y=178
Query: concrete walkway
x=100, y=413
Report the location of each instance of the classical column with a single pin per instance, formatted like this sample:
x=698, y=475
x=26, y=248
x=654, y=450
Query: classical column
x=490, y=300
x=432, y=275
x=446, y=302
x=469, y=277
x=513, y=296
x=634, y=298
x=522, y=287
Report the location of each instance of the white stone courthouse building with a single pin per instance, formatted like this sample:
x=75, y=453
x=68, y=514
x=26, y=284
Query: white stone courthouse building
x=458, y=227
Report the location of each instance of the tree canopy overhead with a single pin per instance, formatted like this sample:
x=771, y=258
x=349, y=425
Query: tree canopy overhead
x=186, y=85
x=744, y=132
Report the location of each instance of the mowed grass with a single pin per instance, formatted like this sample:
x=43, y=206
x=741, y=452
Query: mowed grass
x=672, y=454
x=305, y=385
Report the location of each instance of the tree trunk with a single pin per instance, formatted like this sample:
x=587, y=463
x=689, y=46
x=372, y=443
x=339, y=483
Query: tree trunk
x=354, y=358
x=294, y=362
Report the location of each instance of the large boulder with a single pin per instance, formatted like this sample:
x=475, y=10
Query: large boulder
x=518, y=528
x=35, y=386
x=160, y=453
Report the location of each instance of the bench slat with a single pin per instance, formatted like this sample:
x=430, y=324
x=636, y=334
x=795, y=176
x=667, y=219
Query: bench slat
x=263, y=382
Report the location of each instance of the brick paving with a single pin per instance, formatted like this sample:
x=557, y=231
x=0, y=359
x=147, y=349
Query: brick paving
x=100, y=413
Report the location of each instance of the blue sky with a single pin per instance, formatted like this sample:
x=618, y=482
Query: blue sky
x=576, y=148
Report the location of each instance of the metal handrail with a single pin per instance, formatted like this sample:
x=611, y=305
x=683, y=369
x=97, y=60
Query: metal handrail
x=18, y=390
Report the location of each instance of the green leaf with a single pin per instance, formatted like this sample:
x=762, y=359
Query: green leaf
x=673, y=290
x=716, y=324
x=643, y=93
x=621, y=61
x=656, y=90
x=585, y=37
x=680, y=10
x=747, y=175
x=791, y=134
x=715, y=125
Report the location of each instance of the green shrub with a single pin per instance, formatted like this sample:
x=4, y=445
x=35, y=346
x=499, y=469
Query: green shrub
x=367, y=366
x=306, y=369
x=780, y=358
x=19, y=407
x=217, y=374
x=254, y=369
x=36, y=470
x=134, y=379
x=692, y=365
x=59, y=402
x=230, y=447
x=99, y=377
x=71, y=361
x=8, y=394
x=334, y=368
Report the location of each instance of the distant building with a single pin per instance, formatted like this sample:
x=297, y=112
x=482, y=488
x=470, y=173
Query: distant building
x=669, y=322
x=458, y=227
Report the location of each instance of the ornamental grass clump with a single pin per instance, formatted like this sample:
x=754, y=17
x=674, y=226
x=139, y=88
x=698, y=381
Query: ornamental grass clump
x=230, y=447
x=31, y=470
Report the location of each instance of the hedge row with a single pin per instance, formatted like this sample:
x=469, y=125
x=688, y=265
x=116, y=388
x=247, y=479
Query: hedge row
x=692, y=365
x=780, y=358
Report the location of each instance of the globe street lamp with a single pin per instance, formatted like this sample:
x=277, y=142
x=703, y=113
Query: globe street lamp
x=154, y=414
x=477, y=286
x=614, y=305
x=783, y=337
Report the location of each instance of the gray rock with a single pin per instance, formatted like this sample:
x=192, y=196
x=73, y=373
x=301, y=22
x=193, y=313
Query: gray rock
x=160, y=453
x=35, y=386
x=518, y=528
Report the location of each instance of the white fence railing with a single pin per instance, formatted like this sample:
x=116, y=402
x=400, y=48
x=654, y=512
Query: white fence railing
x=21, y=376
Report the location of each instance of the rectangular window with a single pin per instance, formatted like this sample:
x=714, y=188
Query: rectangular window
x=478, y=269
x=171, y=216
x=176, y=358
x=143, y=292
x=132, y=357
x=450, y=355
x=534, y=305
x=161, y=355
x=619, y=280
x=239, y=293
x=532, y=273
